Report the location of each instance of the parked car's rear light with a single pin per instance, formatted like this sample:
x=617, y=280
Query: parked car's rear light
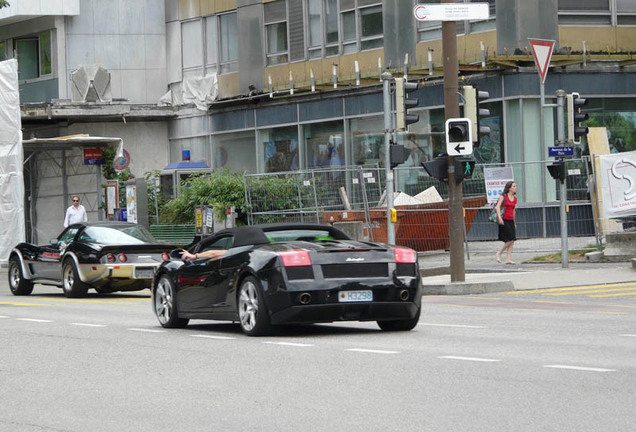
x=294, y=258
x=122, y=257
x=110, y=258
x=405, y=255
x=165, y=256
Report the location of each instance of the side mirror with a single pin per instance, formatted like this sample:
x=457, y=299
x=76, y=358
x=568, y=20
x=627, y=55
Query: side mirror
x=175, y=253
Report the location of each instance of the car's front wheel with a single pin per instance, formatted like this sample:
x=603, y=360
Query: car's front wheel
x=17, y=283
x=72, y=285
x=400, y=325
x=252, y=311
x=164, y=303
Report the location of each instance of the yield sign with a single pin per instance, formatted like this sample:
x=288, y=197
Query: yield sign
x=542, y=53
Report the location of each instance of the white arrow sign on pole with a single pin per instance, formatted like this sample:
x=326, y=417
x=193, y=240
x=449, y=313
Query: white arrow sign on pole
x=542, y=53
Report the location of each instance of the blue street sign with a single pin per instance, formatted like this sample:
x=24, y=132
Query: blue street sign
x=561, y=151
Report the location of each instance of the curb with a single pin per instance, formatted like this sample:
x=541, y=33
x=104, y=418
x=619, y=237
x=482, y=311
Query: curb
x=465, y=288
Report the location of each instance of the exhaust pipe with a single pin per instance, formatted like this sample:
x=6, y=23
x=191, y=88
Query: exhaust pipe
x=304, y=298
x=404, y=295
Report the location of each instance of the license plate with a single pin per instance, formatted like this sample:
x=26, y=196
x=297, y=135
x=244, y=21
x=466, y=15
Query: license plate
x=144, y=272
x=355, y=296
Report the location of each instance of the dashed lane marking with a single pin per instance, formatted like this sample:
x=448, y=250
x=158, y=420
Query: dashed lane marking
x=474, y=359
x=633, y=293
x=579, y=368
x=22, y=304
x=628, y=335
x=213, y=337
x=583, y=291
x=87, y=325
x=146, y=330
x=35, y=320
x=289, y=344
x=452, y=325
x=371, y=351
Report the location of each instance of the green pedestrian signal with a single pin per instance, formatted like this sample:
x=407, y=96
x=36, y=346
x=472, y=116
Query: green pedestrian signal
x=464, y=168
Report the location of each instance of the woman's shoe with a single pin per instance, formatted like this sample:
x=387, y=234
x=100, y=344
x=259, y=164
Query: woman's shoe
x=511, y=262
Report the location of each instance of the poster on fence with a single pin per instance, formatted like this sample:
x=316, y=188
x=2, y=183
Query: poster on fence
x=618, y=184
x=496, y=178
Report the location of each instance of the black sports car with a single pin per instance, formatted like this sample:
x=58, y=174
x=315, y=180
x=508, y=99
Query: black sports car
x=289, y=273
x=108, y=256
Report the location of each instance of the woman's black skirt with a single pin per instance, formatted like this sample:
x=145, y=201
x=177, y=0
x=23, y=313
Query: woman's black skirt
x=507, y=231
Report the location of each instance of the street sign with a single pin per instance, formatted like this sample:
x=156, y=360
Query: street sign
x=561, y=151
x=451, y=12
x=542, y=53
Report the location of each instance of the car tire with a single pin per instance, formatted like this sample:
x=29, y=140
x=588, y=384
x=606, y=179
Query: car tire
x=254, y=318
x=72, y=285
x=400, y=325
x=17, y=283
x=164, y=304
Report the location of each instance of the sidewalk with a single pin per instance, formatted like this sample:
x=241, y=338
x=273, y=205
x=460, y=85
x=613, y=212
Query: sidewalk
x=484, y=274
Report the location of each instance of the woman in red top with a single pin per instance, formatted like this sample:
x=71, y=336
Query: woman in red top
x=507, y=223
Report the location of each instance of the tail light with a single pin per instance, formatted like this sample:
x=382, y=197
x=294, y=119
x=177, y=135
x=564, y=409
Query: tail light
x=165, y=256
x=122, y=257
x=295, y=258
x=405, y=255
x=110, y=258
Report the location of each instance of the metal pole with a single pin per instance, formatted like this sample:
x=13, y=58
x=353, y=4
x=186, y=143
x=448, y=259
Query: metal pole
x=563, y=189
x=542, y=135
x=451, y=110
x=390, y=229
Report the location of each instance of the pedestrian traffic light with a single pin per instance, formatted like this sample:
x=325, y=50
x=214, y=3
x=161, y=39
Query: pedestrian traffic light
x=475, y=112
x=464, y=168
x=437, y=167
x=575, y=117
x=403, y=103
x=557, y=170
x=398, y=154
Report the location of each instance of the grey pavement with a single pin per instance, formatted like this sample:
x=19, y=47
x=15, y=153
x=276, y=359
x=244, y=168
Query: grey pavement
x=484, y=274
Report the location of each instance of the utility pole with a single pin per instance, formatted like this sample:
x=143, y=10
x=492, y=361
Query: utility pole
x=565, y=259
x=388, y=126
x=451, y=110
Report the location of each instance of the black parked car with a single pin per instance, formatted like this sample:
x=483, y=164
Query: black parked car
x=107, y=256
x=289, y=273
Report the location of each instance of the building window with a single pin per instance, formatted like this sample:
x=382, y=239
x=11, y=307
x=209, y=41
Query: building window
x=192, y=47
x=228, y=37
x=280, y=149
x=211, y=45
x=362, y=27
x=585, y=12
x=276, y=35
x=34, y=56
x=3, y=50
x=371, y=29
x=322, y=34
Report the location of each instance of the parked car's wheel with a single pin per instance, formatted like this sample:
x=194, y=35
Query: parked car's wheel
x=164, y=302
x=400, y=325
x=17, y=283
x=71, y=283
x=252, y=311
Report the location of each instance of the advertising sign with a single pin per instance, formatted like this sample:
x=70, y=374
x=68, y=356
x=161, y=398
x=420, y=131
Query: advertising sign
x=131, y=203
x=112, y=195
x=451, y=12
x=93, y=156
x=618, y=184
x=496, y=178
x=198, y=221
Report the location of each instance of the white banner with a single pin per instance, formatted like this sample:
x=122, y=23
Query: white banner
x=618, y=184
x=496, y=178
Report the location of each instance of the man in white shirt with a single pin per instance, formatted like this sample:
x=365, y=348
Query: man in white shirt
x=75, y=213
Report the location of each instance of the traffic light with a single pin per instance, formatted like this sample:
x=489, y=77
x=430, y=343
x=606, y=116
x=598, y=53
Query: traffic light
x=458, y=136
x=557, y=170
x=464, y=168
x=437, y=167
x=575, y=117
x=403, y=103
x=474, y=112
x=398, y=154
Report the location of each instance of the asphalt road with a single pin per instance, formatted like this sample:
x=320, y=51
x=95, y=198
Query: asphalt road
x=549, y=360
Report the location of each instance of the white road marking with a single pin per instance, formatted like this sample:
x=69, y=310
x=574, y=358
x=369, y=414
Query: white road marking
x=475, y=359
x=451, y=325
x=580, y=368
x=34, y=320
x=372, y=351
x=213, y=337
x=2, y=316
x=289, y=344
x=629, y=335
x=88, y=325
x=147, y=330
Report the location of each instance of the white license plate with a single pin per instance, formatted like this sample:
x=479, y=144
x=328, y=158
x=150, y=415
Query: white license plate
x=144, y=273
x=355, y=296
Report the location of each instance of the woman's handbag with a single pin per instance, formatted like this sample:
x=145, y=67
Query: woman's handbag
x=493, y=215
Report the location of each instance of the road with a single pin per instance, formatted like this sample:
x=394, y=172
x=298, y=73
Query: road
x=549, y=360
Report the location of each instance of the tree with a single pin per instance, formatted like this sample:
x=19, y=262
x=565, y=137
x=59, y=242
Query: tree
x=4, y=3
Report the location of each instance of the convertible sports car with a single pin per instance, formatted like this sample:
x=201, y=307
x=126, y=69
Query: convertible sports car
x=289, y=273
x=108, y=256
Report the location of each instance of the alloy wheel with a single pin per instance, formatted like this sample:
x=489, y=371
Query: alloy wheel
x=164, y=301
x=248, y=306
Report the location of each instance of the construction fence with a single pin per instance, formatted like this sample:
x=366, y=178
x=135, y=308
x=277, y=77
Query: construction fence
x=355, y=195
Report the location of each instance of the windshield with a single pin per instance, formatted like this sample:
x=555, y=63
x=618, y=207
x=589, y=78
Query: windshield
x=298, y=234
x=117, y=235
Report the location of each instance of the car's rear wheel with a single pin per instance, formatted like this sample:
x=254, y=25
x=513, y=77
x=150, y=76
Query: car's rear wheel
x=252, y=311
x=164, y=301
x=72, y=285
x=400, y=325
x=17, y=283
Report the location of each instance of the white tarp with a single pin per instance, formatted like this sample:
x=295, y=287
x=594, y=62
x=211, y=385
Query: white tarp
x=618, y=184
x=200, y=90
x=11, y=161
